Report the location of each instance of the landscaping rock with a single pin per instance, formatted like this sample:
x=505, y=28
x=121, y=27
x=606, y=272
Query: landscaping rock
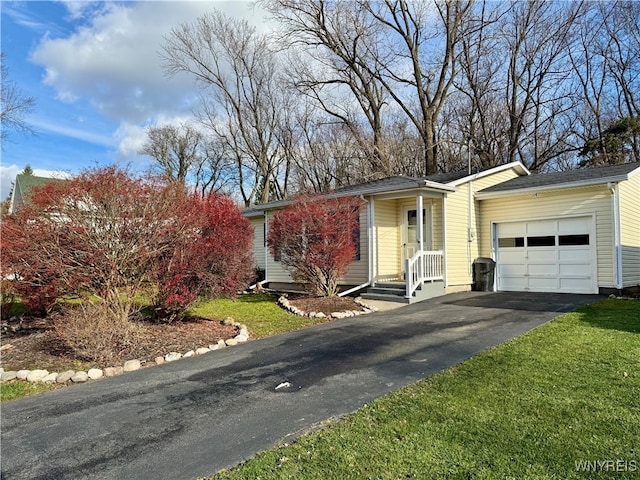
x=159, y=360
x=51, y=378
x=64, y=377
x=241, y=338
x=8, y=376
x=172, y=356
x=132, y=365
x=80, y=377
x=95, y=373
x=22, y=374
x=320, y=315
x=338, y=315
x=188, y=354
x=222, y=343
x=228, y=321
x=231, y=342
x=202, y=350
x=244, y=331
x=113, y=371
x=1, y=370
x=36, y=375
x=215, y=347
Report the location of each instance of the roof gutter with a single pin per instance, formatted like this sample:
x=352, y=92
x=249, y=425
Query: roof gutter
x=482, y=195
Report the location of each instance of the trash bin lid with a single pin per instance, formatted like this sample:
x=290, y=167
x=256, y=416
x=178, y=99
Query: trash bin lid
x=484, y=260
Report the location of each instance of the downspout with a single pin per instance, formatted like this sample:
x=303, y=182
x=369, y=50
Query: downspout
x=617, y=252
x=266, y=249
x=444, y=239
x=470, y=233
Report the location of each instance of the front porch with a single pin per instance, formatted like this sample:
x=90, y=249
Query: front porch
x=408, y=261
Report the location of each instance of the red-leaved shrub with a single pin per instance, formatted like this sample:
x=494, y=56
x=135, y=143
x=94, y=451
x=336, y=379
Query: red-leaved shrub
x=316, y=239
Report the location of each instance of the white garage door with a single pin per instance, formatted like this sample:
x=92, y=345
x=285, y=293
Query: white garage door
x=547, y=256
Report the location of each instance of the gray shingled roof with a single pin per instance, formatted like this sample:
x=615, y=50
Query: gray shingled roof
x=382, y=185
x=583, y=175
x=448, y=177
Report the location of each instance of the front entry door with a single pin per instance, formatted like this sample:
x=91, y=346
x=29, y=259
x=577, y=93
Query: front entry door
x=410, y=240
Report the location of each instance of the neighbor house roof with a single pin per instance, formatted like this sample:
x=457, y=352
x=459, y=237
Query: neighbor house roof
x=568, y=179
x=22, y=187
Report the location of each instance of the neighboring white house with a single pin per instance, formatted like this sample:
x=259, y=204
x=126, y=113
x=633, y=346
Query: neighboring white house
x=22, y=188
x=574, y=231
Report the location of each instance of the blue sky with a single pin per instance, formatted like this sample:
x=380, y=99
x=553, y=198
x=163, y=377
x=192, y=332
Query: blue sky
x=94, y=71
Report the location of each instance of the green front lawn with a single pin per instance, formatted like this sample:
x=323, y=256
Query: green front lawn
x=18, y=389
x=259, y=312
x=532, y=408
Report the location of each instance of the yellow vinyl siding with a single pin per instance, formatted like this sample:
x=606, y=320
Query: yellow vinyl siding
x=569, y=202
x=387, y=233
x=258, y=241
x=275, y=271
x=358, y=272
x=629, y=194
x=460, y=252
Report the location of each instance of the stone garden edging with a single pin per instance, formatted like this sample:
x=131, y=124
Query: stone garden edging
x=284, y=303
x=70, y=376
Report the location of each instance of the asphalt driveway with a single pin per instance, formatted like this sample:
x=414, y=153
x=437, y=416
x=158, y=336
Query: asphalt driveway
x=198, y=415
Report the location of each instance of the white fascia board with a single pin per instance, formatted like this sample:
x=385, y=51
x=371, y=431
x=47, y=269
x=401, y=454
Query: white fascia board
x=518, y=166
x=420, y=185
x=546, y=188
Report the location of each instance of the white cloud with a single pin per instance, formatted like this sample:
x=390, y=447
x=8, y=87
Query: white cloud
x=72, y=132
x=112, y=59
x=130, y=139
x=7, y=175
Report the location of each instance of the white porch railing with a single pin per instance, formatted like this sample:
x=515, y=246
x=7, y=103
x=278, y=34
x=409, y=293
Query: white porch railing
x=424, y=266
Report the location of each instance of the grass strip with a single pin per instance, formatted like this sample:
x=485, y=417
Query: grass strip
x=259, y=312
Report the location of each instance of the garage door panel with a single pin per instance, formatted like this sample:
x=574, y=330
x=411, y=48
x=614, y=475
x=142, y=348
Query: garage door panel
x=541, y=228
x=573, y=226
x=512, y=230
x=512, y=284
x=512, y=255
x=542, y=255
x=539, y=284
x=574, y=255
x=576, y=285
x=515, y=269
x=543, y=270
x=555, y=256
x=576, y=270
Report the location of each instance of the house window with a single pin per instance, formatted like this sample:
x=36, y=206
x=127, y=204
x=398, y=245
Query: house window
x=356, y=233
x=542, y=241
x=567, y=240
x=511, y=242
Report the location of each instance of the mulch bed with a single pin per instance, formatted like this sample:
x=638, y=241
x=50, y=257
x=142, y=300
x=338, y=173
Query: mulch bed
x=36, y=345
x=29, y=343
x=326, y=305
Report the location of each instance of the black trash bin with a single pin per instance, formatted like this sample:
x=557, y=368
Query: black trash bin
x=483, y=273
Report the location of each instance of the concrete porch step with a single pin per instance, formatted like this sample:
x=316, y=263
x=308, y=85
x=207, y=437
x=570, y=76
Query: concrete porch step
x=387, y=292
x=384, y=298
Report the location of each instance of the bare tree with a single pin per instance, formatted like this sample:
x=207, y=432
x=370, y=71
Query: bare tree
x=175, y=149
x=339, y=38
x=14, y=105
x=418, y=63
x=242, y=94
